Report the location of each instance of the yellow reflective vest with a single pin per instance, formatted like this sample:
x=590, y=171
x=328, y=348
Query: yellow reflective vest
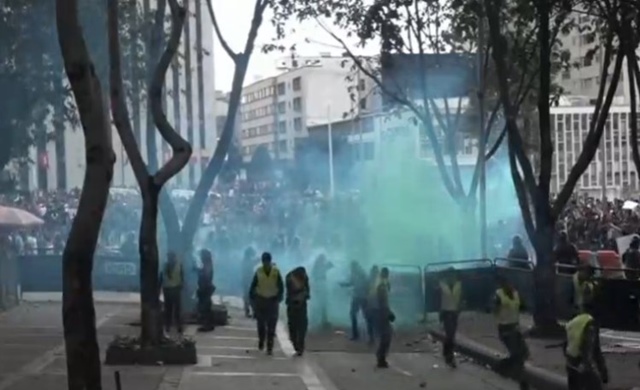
x=172, y=276
x=509, y=308
x=267, y=286
x=450, y=296
x=575, y=334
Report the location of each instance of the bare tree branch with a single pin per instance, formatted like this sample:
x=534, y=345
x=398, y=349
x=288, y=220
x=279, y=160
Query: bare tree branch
x=404, y=101
x=216, y=27
x=181, y=148
x=118, y=104
x=591, y=143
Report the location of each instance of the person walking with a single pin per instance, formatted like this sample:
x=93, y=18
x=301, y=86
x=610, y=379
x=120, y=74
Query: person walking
x=359, y=284
x=298, y=293
x=172, y=282
x=585, y=364
x=507, y=307
x=385, y=318
x=450, y=290
x=266, y=291
x=205, y=291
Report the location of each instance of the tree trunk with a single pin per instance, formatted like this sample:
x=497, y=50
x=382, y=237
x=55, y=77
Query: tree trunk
x=151, y=320
x=544, y=282
x=188, y=74
x=78, y=312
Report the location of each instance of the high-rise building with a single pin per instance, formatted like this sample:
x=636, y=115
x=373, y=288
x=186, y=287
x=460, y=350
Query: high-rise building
x=277, y=111
x=612, y=171
x=583, y=78
x=190, y=106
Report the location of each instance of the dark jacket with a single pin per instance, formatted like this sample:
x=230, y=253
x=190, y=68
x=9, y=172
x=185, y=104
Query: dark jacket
x=297, y=293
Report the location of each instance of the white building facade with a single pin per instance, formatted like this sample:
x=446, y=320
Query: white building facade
x=612, y=171
x=311, y=91
x=189, y=105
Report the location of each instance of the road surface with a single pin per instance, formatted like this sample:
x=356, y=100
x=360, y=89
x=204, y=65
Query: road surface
x=32, y=357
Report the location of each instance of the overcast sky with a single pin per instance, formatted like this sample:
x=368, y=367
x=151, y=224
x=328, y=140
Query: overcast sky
x=234, y=18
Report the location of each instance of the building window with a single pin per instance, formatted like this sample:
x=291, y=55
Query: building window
x=281, y=89
x=363, y=103
x=282, y=127
x=282, y=146
x=362, y=85
x=297, y=104
x=297, y=85
x=282, y=108
x=297, y=124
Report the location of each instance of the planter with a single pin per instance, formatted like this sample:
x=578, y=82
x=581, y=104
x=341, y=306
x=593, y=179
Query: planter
x=125, y=351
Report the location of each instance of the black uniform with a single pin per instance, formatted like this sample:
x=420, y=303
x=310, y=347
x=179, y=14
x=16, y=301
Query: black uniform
x=204, y=293
x=297, y=284
x=384, y=320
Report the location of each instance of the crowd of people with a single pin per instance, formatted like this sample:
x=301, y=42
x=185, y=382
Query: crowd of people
x=268, y=215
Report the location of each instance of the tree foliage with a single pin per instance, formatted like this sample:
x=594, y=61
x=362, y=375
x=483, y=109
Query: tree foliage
x=31, y=69
x=532, y=178
x=432, y=55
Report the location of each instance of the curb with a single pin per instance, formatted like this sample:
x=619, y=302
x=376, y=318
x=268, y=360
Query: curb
x=537, y=377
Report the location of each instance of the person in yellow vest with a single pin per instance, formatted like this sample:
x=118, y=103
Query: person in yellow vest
x=450, y=290
x=507, y=306
x=267, y=291
x=172, y=282
x=298, y=293
x=583, y=287
x=585, y=364
x=385, y=318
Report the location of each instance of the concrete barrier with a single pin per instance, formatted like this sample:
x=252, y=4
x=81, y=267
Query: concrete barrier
x=536, y=377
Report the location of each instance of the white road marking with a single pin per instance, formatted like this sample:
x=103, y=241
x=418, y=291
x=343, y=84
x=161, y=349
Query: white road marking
x=610, y=334
x=245, y=374
x=204, y=361
x=400, y=370
x=233, y=348
x=37, y=365
x=240, y=357
x=241, y=328
x=231, y=338
x=306, y=372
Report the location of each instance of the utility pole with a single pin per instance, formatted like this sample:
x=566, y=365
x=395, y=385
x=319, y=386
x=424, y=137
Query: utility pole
x=276, y=120
x=482, y=144
x=330, y=141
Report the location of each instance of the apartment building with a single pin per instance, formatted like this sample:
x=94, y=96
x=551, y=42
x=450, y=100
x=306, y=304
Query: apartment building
x=583, y=78
x=612, y=171
x=190, y=106
x=309, y=91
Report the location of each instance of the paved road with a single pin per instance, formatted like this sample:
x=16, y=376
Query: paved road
x=32, y=357
x=230, y=356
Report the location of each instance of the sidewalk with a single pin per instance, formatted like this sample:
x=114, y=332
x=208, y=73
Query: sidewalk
x=621, y=349
x=32, y=348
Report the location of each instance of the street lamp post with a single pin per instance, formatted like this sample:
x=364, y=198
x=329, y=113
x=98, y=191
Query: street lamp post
x=482, y=144
x=330, y=141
